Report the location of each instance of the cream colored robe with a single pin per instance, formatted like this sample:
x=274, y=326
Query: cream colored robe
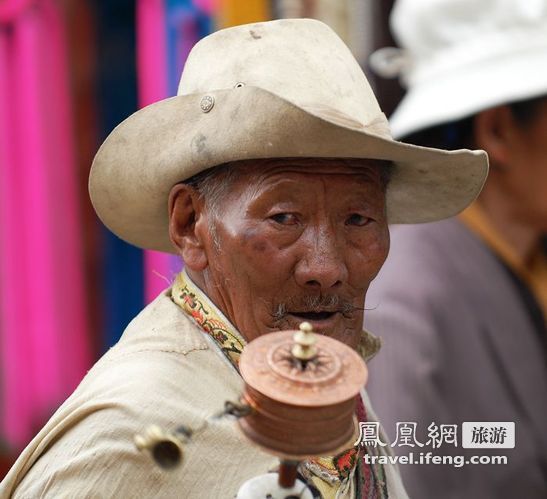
x=164, y=371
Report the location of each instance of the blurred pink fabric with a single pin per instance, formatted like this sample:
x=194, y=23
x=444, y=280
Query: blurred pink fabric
x=152, y=87
x=43, y=319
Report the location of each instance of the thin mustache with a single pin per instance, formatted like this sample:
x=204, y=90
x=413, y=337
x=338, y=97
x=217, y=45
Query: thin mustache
x=315, y=303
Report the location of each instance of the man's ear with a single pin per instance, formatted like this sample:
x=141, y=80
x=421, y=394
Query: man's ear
x=185, y=209
x=496, y=131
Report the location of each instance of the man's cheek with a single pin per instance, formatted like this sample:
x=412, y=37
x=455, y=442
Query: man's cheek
x=260, y=249
x=375, y=254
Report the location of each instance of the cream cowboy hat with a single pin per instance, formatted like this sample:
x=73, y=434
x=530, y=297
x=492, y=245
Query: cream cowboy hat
x=459, y=57
x=287, y=88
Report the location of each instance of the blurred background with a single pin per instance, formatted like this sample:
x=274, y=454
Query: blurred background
x=70, y=71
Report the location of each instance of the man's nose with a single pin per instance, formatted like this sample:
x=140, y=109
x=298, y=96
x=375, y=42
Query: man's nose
x=322, y=265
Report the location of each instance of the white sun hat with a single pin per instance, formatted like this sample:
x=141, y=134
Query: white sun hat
x=459, y=57
x=280, y=89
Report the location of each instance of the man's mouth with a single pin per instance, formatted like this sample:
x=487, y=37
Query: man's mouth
x=313, y=316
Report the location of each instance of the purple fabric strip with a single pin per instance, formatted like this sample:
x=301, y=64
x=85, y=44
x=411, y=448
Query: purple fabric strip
x=17, y=392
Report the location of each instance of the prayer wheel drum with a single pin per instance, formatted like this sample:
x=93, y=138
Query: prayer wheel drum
x=302, y=390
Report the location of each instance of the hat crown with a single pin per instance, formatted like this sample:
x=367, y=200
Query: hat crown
x=426, y=28
x=301, y=60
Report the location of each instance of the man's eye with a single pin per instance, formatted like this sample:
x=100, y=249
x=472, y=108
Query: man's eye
x=285, y=218
x=357, y=220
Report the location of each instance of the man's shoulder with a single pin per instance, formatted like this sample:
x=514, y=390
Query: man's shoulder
x=163, y=371
x=161, y=352
x=434, y=257
x=160, y=326
x=435, y=240
x=436, y=271
x=161, y=355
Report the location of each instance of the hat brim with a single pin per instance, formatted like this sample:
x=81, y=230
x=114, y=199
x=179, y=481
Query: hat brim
x=171, y=140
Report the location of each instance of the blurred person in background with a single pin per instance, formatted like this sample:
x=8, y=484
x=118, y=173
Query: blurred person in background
x=461, y=304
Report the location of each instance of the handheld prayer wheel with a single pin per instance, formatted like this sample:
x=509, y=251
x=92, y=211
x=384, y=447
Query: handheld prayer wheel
x=302, y=389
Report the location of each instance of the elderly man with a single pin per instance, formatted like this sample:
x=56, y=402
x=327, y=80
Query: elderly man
x=273, y=175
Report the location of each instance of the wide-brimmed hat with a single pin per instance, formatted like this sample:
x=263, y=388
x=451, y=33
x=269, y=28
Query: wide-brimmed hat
x=459, y=57
x=280, y=89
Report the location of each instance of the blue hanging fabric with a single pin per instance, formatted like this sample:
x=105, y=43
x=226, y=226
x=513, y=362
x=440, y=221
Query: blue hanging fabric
x=122, y=267
x=186, y=24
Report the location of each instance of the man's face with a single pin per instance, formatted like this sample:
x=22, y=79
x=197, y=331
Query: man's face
x=297, y=242
x=526, y=175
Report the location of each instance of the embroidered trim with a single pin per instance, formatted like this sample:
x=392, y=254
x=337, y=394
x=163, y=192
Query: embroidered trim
x=194, y=302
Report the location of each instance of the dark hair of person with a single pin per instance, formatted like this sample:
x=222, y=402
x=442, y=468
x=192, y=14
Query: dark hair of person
x=459, y=134
x=214, y=182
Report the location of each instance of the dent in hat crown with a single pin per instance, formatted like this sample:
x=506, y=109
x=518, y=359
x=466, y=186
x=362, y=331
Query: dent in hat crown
x=301, y=60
